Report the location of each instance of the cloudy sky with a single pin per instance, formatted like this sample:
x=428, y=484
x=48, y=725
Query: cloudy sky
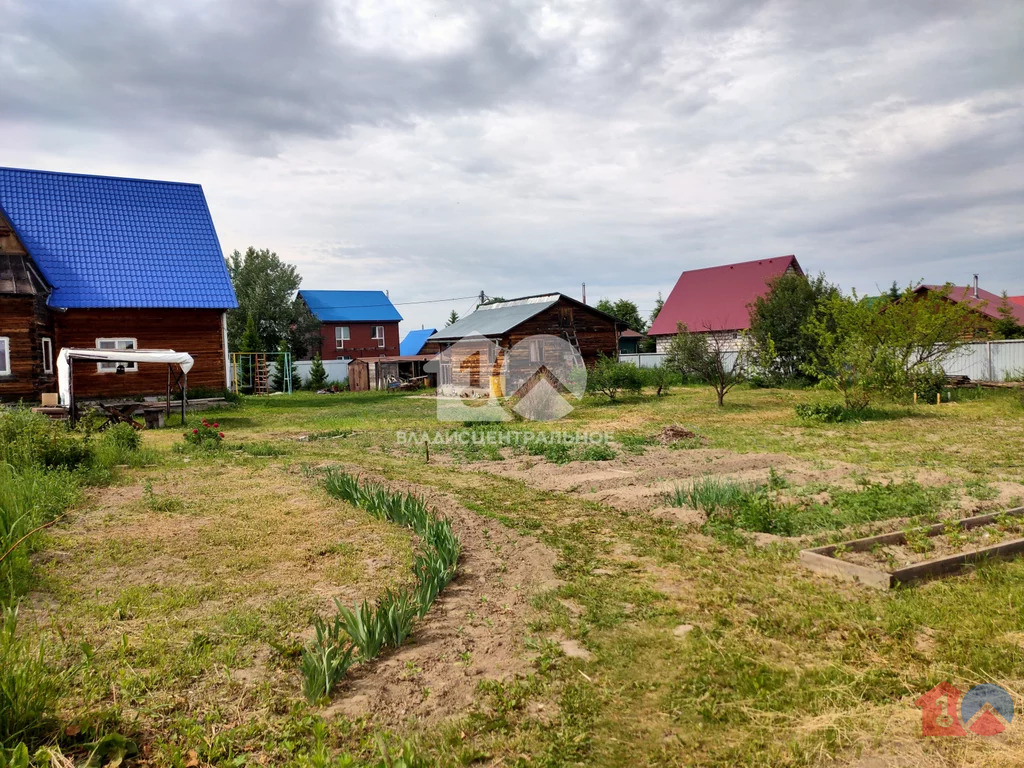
x=437, y=149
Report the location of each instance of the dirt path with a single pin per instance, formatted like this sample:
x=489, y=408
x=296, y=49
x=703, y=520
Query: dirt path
x=475, y=631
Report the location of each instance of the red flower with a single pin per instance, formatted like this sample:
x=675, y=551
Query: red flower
x=221, y=434
x=215, y=425
x=195, y=431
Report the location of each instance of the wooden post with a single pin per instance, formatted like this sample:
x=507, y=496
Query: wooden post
x=167, y=407
x=938, y=398
x=915, y=398
x=184, y=395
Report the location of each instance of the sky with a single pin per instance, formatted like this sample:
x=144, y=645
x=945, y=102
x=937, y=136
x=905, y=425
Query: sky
x=440, y=149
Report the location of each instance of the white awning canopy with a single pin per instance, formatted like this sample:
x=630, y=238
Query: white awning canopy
x=169, y=356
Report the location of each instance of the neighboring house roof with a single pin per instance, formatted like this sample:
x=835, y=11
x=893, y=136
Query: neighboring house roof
x=105, y=242
x=629, y=333
x=991, y=301
x=414, y=341
x=1017, y=300
x=497, y=318
x=718, y=298
x=350, y=306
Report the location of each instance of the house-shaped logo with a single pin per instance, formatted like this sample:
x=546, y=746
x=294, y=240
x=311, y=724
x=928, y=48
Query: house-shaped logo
x=985, y=710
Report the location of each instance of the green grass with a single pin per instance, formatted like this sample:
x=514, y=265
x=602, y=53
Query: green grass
x=783, y=668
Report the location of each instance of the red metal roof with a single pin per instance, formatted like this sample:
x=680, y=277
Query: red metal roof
x=718, y=298
x=966, y=293
x=1017, y=300
x=629, y=333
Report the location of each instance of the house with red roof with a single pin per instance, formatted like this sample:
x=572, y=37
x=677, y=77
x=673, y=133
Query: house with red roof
x=986, y=303
x=717, y=299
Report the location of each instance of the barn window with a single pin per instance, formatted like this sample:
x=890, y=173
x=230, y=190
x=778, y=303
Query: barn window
x=378, y=334
x=536, y=351
x=341, y=335
x=47, y=348
x=5, y=356
x=110, y=366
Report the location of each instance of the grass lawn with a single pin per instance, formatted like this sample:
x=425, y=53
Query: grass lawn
x=596, y=619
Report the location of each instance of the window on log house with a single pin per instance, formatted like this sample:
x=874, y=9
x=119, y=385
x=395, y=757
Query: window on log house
x=110, y=366
x=5, y=356
x=47, y=349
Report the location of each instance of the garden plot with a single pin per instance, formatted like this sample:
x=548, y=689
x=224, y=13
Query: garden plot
x=920, y=553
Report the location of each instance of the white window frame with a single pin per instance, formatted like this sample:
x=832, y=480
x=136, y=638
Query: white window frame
x=46, y=348
x=379, y=338
x=340, y=339
x=5, y=355
x=110, y=366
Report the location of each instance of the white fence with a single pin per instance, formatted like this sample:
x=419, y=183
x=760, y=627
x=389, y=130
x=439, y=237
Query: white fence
x=981, y=360
x=988, y=360
x=337, y=370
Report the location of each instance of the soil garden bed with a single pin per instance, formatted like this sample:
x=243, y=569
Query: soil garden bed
x=919, y=553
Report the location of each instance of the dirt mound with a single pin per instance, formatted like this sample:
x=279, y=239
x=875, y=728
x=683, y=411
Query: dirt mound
x=674, y=433
x=474, y=631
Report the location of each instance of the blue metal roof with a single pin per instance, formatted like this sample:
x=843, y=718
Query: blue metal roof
x=350, y=306
x=102, y=241
x=414, y=341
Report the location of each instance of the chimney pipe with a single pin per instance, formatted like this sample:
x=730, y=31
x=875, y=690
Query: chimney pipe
x=975, y=285
x=584, y=293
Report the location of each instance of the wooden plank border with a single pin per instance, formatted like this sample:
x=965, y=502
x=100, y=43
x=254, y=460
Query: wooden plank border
x=823, y=559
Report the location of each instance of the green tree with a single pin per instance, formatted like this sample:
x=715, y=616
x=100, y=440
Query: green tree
x=1007, y=327
x=304, y=338
x=624, y=311
x=659, y=304
x=780, y=341
x=608, y=377
x=866, y=348
x=265, y=287
x=250, y=340
x=317, y=373
x=704, y=357
x=453, y=318
x=277, y=379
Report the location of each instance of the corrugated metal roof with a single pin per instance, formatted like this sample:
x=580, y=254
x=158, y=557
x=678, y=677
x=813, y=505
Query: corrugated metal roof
x=350, y=306
x=497, y=318
x=414, y=341
x=1017, y=300
x=966, y=294
x=102, y=241
x=718, y=298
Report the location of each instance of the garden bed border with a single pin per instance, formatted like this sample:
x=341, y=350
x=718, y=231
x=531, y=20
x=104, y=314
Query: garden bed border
x=823, y=559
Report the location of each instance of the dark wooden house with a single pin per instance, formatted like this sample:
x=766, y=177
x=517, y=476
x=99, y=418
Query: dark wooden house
x=354, y=324
x=475, y=350
x=111, y=263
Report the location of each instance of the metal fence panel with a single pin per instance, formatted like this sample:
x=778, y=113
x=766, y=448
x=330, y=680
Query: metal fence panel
x=337, y=370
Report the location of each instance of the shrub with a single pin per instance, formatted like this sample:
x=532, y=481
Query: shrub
x=317, y=374
x=206, y=436
x=31, y=439
x=609, y=377
x=597, y=452
x=661, y=377
x=124, y=437
x=927, y=382
x=827, y=413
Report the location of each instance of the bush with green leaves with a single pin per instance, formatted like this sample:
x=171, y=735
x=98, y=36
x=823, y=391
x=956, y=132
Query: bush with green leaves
x=31, y=439
x=369, y=629
x=609, y=377
x=827, y=413
x=206, y=436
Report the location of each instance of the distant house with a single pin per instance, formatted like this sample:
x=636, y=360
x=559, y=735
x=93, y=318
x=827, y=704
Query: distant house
x=112, y=263
x=717, y=299
x=629, y=341
x=499, y=326
x=354, y=324
x=986, y=303
x=415, y=343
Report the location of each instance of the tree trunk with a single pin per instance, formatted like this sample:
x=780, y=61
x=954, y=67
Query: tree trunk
x=721, y=397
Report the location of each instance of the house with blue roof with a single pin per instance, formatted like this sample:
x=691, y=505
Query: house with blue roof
x=354, y=324
x=415, y=343
x=110, y=263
